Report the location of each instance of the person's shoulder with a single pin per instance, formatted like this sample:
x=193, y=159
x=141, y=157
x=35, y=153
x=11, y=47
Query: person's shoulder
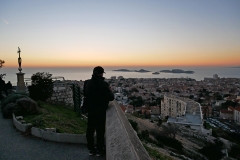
x=105, y=83
x=86, y=81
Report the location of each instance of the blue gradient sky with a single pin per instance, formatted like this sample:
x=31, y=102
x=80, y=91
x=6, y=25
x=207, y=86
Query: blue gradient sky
x=120, y=33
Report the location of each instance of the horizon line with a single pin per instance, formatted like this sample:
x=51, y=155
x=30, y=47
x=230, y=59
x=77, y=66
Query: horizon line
x=123, y=66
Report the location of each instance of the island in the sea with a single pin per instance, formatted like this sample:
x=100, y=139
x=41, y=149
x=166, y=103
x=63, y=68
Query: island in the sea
x=141, y=70
x=155, y=73
x=123, y=70
x=126, y=70
x=177, y=71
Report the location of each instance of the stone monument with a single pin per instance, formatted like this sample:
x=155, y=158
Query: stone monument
x=20, y=76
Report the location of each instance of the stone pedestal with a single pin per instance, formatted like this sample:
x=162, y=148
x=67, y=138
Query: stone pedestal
x=20, y=83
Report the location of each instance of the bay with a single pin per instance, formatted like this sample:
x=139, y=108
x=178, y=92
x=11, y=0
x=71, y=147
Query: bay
x=83, y=73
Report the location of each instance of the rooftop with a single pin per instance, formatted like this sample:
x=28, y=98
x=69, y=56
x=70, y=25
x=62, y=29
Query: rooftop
x=187, y=119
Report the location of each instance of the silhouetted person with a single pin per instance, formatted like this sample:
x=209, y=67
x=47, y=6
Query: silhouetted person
x=98, y=95
x=2, y=87
x=9, y=87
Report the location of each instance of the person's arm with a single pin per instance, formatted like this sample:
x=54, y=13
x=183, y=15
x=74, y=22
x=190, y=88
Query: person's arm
x=84, y=107
x=110, y=94
x=84, y=88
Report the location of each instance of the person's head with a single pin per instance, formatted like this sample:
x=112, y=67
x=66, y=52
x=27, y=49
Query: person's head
x=98, y=71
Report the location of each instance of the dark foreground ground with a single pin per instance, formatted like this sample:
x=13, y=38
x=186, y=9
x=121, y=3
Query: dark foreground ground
x=16, y=146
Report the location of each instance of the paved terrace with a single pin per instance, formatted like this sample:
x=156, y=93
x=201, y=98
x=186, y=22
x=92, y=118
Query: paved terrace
x=121, y=142
x=187, y=119
x=15, y=146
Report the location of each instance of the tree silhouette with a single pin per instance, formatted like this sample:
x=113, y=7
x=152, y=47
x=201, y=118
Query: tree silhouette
x=1, y=65
x=170, y=130
x=42, y=86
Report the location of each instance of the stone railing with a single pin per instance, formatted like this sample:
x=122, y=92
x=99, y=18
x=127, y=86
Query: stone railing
x=122, y=141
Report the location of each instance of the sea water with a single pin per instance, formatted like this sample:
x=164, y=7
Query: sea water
x=83, y=73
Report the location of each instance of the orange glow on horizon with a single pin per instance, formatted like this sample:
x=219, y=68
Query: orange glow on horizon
x=206, y=64
x=118, y=34
x=184, y=59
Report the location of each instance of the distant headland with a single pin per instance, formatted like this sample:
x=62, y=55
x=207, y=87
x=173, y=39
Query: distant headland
x=126, y=70
x=165, y=71
x=177, y=71
x=155, y=73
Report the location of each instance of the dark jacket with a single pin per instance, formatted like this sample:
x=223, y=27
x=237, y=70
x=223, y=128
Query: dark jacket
x=98, y=94
x=2, y=85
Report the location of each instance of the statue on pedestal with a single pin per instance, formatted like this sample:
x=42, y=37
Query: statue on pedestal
x=20, y=76
x=19, y=60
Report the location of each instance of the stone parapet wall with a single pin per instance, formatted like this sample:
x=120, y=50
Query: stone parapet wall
x=20, y=124
x=63, y=95
x=59, y=137
x=122, y=141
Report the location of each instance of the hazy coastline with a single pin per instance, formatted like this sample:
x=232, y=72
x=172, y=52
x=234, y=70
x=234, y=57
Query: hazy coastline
x=83, y=73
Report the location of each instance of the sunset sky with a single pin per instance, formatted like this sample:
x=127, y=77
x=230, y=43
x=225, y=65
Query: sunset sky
x=120, y=32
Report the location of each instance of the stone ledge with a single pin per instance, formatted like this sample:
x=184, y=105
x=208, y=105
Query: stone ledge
x=51, y=136
x=121, y=140
x=21, y=127
x=59, y=137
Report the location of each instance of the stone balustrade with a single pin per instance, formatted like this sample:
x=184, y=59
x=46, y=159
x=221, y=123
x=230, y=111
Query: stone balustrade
x=122, y=141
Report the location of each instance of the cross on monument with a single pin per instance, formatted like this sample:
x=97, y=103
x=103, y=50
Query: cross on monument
x=19, y=51
x=19, y=60
x=20, y=76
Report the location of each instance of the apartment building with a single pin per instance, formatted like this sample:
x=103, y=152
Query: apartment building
x=173, y=107
x=236, y=115
x=183, y=111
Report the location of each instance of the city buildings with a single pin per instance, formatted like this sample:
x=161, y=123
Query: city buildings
x=155, y=110
x=172, y=106
x=207, y=111
x=226, y=114
x=182, y=111
x=236, y=115
x=211, y=94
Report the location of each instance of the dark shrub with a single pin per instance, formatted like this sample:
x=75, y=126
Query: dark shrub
x=42, y=86
x=22, y=106
x=12, y=98
x=27, y=106
x=134, y=124
x=171, y=142
x=212, y=151
x=9, y=109
x=235, y=152
x=18, y=104
x=144, y=135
